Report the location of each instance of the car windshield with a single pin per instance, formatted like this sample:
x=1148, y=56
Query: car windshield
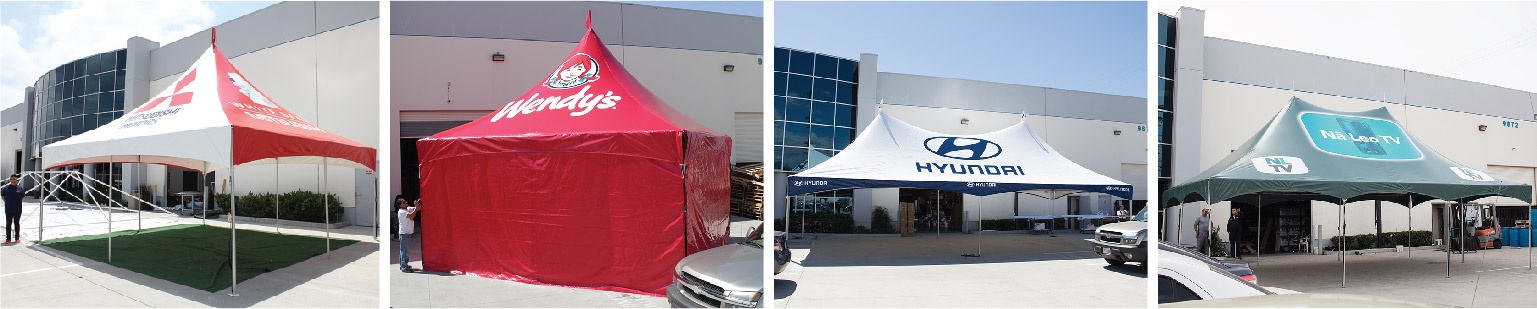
x=1141, y=215
x=755, y=238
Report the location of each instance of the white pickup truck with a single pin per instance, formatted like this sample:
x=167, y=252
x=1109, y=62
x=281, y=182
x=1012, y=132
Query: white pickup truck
x=1123, y=242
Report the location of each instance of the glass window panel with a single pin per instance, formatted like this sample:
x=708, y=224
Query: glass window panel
x=827, y=67
x=846, y=69
x=781, y=83
x=1164, y=153
x=845, y=93
x=779, y=133
x=107, y=81
x=1168, y=66
x=1163, y=122
x=1165, y=94
x=779, y=157
x=844, y=116
x=91, y=104
x=797, y=110
x=826, y=90
x=801, y=62
x=79, y=126
x=796, y=133
x=104, y=118
x=105, y=104
x=79, y=87
x=122, y=59
x=93, y=84
x=817, y=156
x=81, y=67
x=822, y=137
x=1163, y=56
x=117, y=100
x=779, y=108
x=122, y=76
x=794, y=159
x=111, y=63
x=1168, y=28
x=781, y=59
x=842, y=137
x=823, y=113
x=799, y=86
x=72, y=107
x=90, y=122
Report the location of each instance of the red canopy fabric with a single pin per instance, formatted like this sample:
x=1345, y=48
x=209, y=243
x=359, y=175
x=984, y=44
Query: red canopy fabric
x=587, y=180
x=212, y=115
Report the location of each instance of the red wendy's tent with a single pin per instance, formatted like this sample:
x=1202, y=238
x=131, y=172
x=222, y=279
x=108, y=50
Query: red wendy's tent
x=587, y=180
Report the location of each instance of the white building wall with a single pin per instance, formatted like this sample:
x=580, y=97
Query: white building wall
x=339, y=67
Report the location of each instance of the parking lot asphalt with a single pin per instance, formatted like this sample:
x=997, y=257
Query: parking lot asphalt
x=432, y=289
x=1488, y=278
x=1015, y=270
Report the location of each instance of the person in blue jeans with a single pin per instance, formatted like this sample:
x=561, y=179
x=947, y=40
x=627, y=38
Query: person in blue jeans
x=407, y=219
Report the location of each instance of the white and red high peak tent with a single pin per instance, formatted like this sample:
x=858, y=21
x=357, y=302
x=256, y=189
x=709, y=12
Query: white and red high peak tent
x=211, y=115
x=211, y=118
x=587, y=180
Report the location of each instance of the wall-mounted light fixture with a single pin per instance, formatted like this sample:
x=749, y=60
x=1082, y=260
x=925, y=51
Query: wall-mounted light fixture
x=1483, y=128
x=498, y=56
x=729, y=68
x=965, y=121
x=1117, y=132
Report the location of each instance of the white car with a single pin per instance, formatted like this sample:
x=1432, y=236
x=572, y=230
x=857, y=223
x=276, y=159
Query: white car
x=1305, y=301
x=1182, y=278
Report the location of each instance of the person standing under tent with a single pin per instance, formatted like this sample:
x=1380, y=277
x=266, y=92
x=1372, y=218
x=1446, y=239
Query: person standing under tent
x=1203, y=232
x=12, y=194
x=407, y=217
x=1234, y=224
x=1122, y=214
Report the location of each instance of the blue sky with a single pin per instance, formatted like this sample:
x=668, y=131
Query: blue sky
x=37, y=36
x=1089, y=46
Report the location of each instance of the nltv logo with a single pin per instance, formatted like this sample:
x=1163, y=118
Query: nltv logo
x=1280, y=165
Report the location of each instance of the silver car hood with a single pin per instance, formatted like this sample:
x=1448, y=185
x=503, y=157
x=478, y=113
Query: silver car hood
x=1126, y=228
x=734, y=267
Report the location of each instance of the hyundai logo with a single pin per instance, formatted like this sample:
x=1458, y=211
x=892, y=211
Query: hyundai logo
x=963, y=148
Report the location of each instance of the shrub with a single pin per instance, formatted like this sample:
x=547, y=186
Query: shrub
x=1389, y=240
x=296, y=205
x=822, y=223
x=880, y=221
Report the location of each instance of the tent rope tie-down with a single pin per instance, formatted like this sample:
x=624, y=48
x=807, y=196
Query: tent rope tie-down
x=52, y=185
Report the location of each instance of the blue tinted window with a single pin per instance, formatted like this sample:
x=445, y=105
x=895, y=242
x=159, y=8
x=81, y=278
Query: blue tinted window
x=122, y=59
x=781, y=83
x=1165, y=94
x=781, y=59
x=107, y=81
x=796, y=134
x=823, y=113
x=779, y=108
x=845, y=93
x=826, y=90
x=801, y=62
x=92, y=104
x=844, y=116
x=121, y=77
x=779, y=133
x=800, y=86
x=1166, y=59
x=797, y=110
x=842, y=137
x=847, y=69
x=779, y=157
x=794, y=159
x=827, y=67
x=821, y=136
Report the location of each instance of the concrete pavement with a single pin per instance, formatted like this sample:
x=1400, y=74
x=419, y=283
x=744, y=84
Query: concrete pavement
x=1488, y=278
x=1015, y=270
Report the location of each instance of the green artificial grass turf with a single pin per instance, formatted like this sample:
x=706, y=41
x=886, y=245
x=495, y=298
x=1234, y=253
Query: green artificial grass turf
x=197, y=256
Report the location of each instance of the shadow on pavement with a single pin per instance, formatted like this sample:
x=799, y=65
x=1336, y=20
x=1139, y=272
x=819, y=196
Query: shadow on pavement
x=784, y=288
x=945, y=249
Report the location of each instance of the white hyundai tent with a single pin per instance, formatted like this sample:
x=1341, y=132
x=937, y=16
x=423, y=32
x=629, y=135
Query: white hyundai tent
x=890, y=153
x=212, y=118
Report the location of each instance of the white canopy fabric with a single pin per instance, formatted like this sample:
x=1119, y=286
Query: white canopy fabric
x=211, y=115
x=890, y=153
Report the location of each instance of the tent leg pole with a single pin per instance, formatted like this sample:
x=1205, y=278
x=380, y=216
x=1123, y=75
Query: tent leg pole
x=233, y=200
x=1179, y=233
x=1259, y=225
x=1051, y=204
x=1341, y=246
x=277, y=209
x=1446, y=236
x=109, y=231
x=207, y=198
x=1410, y=241
x=938, y=196
x=325, y=185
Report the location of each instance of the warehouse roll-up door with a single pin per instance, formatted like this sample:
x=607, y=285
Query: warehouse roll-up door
x=417, y=124
x=1524, y=174
x=747, y=143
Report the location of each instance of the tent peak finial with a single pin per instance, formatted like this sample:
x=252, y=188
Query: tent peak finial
x=213, y=39
x=589, y=19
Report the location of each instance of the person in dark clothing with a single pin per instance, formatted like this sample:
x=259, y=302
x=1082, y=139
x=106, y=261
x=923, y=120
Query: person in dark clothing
x=12, y=194
x=1234, y=237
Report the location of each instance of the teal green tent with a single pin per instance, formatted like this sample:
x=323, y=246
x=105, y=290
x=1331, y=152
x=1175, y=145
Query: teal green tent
x=1315, y=154
x=1310, y=153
